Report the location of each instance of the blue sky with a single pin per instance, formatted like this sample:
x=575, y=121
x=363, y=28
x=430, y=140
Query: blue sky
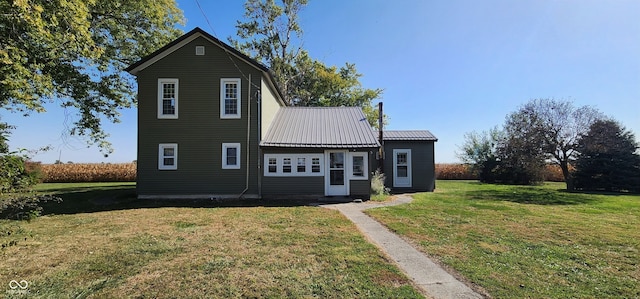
x=447, y=66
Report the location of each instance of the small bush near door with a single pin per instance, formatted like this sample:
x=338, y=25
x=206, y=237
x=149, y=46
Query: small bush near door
x=378, y=191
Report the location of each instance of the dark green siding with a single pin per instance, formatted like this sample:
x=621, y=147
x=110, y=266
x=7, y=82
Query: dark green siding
x=360, y=188
x=423, y=171
x=199, y=131
x=278, y=185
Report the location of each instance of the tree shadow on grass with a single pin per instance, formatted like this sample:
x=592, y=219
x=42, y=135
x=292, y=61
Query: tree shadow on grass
x=532, y=195
x=123, y=197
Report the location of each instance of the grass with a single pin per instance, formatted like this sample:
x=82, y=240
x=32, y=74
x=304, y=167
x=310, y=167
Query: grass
x=528, y=242
x=102, y=242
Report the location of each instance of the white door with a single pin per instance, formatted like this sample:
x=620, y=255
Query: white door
x=402, y=168
x=335, y=181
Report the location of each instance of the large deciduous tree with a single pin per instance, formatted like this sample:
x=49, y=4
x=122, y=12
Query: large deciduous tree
x=74, y=52
x=561, y=125
x=608, y=159
x=271, y=34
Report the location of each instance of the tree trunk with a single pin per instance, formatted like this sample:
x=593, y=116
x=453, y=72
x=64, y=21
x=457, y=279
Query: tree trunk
x=564, y=165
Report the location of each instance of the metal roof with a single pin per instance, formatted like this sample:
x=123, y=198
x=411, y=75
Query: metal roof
x=408, y=135
x=324, y=127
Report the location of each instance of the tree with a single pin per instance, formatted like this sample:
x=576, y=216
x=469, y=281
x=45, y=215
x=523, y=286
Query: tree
x=608, y=159
x=521, y=154
x=271, y=34
x=4, y=137
x=561, y=125
x=74, y=52
x=480, y=151
x=268, y=36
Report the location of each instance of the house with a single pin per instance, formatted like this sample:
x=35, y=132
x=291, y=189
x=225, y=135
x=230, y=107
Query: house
x=212, y=124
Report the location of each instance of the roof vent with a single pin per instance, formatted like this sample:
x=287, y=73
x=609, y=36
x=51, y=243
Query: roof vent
x=199, y=50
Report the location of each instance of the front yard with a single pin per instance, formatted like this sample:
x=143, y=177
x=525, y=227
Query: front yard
x=101, y=242
x=527, y=242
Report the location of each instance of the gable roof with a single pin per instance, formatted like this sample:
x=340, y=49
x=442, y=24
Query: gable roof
x=192, y=35
x=323, y=127
x=408, y=135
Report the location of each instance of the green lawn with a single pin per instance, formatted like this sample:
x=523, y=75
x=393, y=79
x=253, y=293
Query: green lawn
x=536, y=242
x=102, y=242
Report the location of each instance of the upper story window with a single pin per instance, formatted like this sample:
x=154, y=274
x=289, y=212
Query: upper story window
x=168, y=156
x=230, y=103
x=231, y=156
x=167, y=98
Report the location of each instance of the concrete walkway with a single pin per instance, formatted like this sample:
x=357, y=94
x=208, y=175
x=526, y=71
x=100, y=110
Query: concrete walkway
x=432, y=280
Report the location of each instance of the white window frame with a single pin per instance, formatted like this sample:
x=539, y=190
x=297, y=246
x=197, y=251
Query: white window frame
x=365, y=166
x=161, y=156
x=308, y=159
x=225, y=146
x=161, y=82
x=223, y=82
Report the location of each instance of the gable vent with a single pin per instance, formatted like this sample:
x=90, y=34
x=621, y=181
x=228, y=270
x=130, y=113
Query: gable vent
x=199, y=50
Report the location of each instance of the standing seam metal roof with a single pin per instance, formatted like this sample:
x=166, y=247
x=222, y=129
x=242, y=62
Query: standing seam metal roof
x=324, y=127
x=408, y=135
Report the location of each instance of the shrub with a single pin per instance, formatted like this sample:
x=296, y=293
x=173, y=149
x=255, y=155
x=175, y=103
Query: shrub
x=14, y=175
x=24, y=206
x=377, y=184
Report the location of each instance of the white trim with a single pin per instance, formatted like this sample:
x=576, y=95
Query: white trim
x=402, y=181
x=161, y=82
x=330, y=190
x=308, y=159
x=224, y=81
x=365, y=165
x=161, y=156
x=225, y=146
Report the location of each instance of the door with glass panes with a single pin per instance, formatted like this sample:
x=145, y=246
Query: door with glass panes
x=402, y=168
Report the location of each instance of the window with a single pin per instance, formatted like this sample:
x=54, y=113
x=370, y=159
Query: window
x=286, y=165
x=401, y=164
x=315, y=165
x=293, y=164
x=230, y=103
x=302, y=166
x=167, y=98
x=359, y=166
x=199, y=50
x=231, y=156
x=168, y=156
x=273, y=165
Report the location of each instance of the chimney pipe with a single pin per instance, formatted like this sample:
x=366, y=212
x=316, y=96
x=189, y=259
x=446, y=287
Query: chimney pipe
x=380, y=138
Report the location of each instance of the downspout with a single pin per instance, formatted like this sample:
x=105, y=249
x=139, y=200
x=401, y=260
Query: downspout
x=259, y=116
x=246, y=186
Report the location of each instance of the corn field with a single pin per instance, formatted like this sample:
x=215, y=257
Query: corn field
x=94, y=172
x=552, y=172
